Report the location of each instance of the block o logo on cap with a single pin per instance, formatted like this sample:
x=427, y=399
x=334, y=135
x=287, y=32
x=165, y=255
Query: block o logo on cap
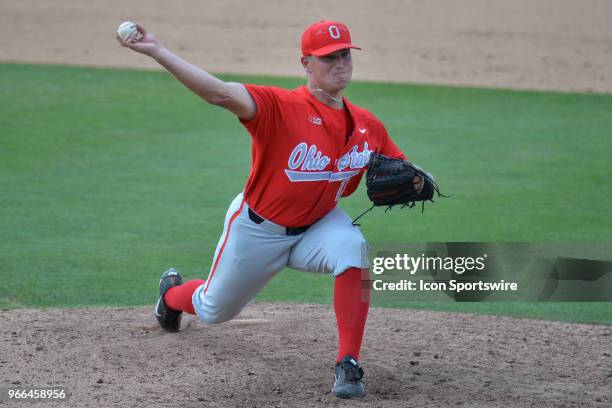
x=334, y=32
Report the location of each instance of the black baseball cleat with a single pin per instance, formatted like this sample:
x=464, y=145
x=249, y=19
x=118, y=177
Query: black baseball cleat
x=348, y=379
x=168, y=319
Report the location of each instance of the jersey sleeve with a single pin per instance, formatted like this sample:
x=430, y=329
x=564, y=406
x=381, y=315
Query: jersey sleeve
x=388, y=146
x=267, y=113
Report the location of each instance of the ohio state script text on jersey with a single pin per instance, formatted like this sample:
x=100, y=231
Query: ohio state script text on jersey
x=303, y=162
x=304, y=158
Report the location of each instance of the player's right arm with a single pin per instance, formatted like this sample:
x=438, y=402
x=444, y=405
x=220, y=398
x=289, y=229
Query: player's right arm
x=232, y=96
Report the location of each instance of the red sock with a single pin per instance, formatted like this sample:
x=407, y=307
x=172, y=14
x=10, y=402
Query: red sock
x=178, y=298
x=351, y=304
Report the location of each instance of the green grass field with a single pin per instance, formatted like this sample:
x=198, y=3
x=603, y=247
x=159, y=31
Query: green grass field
x=107, y=177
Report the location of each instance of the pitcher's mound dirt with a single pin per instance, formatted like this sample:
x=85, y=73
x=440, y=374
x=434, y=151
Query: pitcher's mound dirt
x=281, y=355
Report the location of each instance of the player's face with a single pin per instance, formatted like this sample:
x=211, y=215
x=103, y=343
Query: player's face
x=332, y=71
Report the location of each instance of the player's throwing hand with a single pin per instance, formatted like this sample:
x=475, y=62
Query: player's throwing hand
x=147, y=45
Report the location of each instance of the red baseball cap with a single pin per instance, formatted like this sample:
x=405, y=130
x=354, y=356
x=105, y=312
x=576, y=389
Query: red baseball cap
x=325, y=37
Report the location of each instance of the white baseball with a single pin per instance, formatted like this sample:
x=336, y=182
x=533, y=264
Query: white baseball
x=128, y=30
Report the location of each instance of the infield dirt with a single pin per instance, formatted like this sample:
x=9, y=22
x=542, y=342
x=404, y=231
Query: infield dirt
x=528, y=44
x=281, y=355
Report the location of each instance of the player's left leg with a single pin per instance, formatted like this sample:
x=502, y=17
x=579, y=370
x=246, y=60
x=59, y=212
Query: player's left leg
x=334, y=245
x=351, y=304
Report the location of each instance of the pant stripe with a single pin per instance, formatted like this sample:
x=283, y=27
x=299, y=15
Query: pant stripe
x=229, y=226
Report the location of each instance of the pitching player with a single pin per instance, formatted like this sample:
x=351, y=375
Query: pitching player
x=310, y=147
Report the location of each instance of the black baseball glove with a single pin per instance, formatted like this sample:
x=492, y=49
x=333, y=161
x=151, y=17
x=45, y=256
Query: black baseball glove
x=390, y=182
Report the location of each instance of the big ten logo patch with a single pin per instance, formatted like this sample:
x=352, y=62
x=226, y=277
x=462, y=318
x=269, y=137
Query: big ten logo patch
x=315, y=119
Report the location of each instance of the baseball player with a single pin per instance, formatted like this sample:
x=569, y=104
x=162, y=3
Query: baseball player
x=310, y=147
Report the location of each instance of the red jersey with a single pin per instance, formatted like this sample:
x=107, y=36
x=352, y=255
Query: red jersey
x=303, y=161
